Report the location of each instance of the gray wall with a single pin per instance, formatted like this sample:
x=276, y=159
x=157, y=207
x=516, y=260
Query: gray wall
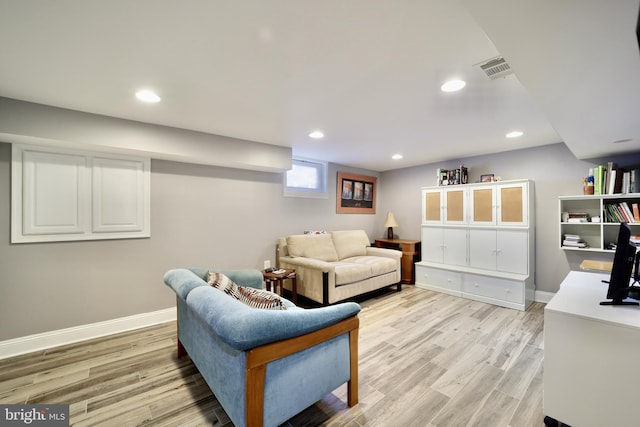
x=200, y=216
x=214, y=216
x=555, y=172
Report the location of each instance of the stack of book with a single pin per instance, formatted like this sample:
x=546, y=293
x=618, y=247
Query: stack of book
x=578, y=217
x=621, y=212
x=574, y=241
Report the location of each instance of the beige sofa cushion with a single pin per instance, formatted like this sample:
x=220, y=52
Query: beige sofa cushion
x=317, y=246
x=349, y=243
x=359, y=268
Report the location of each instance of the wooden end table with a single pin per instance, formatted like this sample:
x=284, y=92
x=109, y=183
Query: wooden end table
x=410, y=255
x=276, y=280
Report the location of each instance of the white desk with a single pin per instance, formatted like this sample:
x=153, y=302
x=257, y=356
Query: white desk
x=591, y=356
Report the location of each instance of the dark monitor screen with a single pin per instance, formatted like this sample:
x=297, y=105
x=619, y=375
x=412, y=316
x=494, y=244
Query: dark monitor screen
x=622, y=267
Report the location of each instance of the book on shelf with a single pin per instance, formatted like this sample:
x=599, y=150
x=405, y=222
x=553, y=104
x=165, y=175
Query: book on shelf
x=621, y=212
x=578, y=217
x=634, y=181
x=571, y=243
x=611, y=179
x=574, y=240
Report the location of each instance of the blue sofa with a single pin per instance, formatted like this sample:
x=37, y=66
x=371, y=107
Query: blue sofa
x=264, y=366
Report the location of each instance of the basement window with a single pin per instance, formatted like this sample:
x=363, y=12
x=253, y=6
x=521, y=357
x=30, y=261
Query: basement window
x=306, y=178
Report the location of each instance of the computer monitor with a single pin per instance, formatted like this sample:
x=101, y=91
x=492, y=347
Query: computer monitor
x=622, y=267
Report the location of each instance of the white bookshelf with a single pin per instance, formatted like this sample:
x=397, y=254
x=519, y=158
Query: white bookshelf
x=597, y=234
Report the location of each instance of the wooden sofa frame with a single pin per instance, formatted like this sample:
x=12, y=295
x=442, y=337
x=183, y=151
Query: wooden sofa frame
x=259, y=357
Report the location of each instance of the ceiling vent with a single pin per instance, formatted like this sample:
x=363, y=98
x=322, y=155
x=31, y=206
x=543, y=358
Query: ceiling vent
x=496, y=68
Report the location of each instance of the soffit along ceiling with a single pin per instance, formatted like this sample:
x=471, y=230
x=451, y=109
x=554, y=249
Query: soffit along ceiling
x=365, y=72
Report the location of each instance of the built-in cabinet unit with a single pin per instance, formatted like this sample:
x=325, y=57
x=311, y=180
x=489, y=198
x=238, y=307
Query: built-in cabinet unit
x=591, y=222
x=60, y=195
x=478, y=242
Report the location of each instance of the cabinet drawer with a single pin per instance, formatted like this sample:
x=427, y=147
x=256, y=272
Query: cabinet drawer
x=446, y=281
x=494, y=288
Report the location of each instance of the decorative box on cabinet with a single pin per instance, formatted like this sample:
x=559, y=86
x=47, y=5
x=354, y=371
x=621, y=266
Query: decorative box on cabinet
x=599, y=234
x=486, y=255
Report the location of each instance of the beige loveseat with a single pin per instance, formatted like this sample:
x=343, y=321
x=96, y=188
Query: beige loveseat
x=338, y=265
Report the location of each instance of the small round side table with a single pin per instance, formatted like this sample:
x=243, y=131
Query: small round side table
x=276, y=279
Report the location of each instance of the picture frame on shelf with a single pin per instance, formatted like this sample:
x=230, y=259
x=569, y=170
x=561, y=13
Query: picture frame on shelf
x=356, y=193
x=486, y=177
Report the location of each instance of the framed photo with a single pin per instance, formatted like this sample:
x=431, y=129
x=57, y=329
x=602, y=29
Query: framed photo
x=356, y=193
x=486, y=178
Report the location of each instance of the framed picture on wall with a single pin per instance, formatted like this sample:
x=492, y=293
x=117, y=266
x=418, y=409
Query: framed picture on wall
x=356, y=193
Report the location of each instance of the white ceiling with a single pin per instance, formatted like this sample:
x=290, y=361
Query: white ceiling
x=365, y=72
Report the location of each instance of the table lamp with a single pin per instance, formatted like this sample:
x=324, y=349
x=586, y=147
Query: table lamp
x=390, y=223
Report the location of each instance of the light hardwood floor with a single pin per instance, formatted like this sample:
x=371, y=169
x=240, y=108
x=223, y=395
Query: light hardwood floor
x=426, y=359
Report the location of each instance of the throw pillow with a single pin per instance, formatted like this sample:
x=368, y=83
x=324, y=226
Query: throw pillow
x=222, y=282
x=259, y=298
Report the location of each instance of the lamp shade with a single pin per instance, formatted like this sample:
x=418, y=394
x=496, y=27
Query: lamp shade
x=390, y=221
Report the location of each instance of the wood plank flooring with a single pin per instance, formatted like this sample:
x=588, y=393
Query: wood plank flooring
x=426, y=359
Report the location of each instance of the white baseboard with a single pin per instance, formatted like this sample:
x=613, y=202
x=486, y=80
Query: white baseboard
x=543, y=296
x=37, y=342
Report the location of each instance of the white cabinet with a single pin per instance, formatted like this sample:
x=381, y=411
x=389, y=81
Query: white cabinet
x=444, y=205
x=502, y=250
x=488, y=250
x=504, y=204
x=54, y=194
x=494, y=290
x=590, y=352
x=439, y=280
x=61, y=195
x=445, y=245
x=118, y=195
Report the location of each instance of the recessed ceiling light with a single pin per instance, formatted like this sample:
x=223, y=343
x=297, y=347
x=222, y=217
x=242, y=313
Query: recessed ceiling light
x=453, y=85
x=514, y=134
x=147, y=96
x=397, y=156
x=316, y=134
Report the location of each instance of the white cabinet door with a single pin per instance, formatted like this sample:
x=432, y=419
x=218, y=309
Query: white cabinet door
x=455, y=246
x=512, y=248
x=512, y=204
x=454, y=205
x=432, y=205
x=55, y=195
x=432, y=244
x=118, y=195
x=499, y=204
x=502, y=250
x=482, y=205
x=482, y=249
x=444, y=245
